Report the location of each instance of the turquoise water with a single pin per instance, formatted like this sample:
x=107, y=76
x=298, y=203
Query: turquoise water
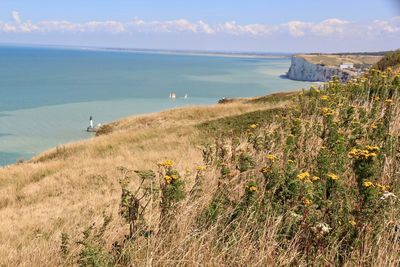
x=47, y=95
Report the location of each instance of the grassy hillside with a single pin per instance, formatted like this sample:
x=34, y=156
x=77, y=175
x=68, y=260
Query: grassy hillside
x=390, y=60
x=300, y=179
x=72, y=186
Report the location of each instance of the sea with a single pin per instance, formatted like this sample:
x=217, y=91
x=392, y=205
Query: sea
x=47, y=94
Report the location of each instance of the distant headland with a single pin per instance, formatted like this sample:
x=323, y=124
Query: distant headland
x=319, y=67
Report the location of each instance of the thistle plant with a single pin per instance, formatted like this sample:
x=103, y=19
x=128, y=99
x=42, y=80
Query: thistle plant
x=134, y=203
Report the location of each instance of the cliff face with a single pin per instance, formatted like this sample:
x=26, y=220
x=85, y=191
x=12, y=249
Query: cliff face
x=303, y=70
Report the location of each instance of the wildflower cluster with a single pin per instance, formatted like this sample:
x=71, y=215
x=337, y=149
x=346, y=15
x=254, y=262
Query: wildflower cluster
x=326, y=112
x=251, y=187
x=271, y=157
x=170, y=178
x=332, y=176
x=369, y=152
x=172, y=190
x=307, y=178
x=167, y=163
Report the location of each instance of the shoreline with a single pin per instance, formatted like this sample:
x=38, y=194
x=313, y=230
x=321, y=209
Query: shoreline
x=80, y=131
x=91, y=136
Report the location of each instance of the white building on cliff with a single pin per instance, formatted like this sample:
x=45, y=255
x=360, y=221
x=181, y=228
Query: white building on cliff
x=344, y=66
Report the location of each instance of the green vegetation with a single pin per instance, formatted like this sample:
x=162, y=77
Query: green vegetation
x=390, y=60
x=314, y=183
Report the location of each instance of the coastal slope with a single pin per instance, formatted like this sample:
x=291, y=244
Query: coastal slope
x=64, y=189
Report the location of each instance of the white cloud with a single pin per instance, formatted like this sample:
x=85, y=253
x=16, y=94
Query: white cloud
x=204, y=27
x=18, y=24
x=330, y=26
x=108, y=26
x=295, y=29
x=392, y=26
x=5, y=27
x=180, y=25
x=59, y=26
x=16, y=17
x=324, y=28
x=236, y=29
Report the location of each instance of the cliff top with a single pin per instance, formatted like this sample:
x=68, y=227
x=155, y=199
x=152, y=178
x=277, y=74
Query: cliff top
x=336, y=59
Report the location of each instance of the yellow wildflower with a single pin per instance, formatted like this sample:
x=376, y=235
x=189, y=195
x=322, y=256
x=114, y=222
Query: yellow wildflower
x=327, y=112
x=167, y=163
x=372, y=148
x=264, y=170
x=168, y=179
x=333, y=176
x=388, y=102
x=368, y=153
x=253, y=126
x=352, y=222
x=324, y=97
x=253, y=188
x=200, y=168
x=304, y=177
x=315, y=178
x=382, y=187
x=368, y=184
x=271, y=157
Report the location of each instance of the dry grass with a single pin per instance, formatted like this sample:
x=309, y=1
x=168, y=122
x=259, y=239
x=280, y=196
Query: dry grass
x=67, y=188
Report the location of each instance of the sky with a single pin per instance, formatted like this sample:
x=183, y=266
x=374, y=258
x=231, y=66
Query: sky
x=209, y=25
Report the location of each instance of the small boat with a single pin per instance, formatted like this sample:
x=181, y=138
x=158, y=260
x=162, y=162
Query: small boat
x=172, y=95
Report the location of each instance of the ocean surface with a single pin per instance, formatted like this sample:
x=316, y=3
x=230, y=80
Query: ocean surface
x=48, y=94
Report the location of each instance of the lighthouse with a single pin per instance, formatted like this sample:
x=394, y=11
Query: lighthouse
x=91, y=121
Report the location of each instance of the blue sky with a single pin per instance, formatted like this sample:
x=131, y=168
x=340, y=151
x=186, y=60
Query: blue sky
x=251, y=25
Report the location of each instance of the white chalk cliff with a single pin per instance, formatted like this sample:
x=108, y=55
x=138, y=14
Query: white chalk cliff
x=303, y=70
